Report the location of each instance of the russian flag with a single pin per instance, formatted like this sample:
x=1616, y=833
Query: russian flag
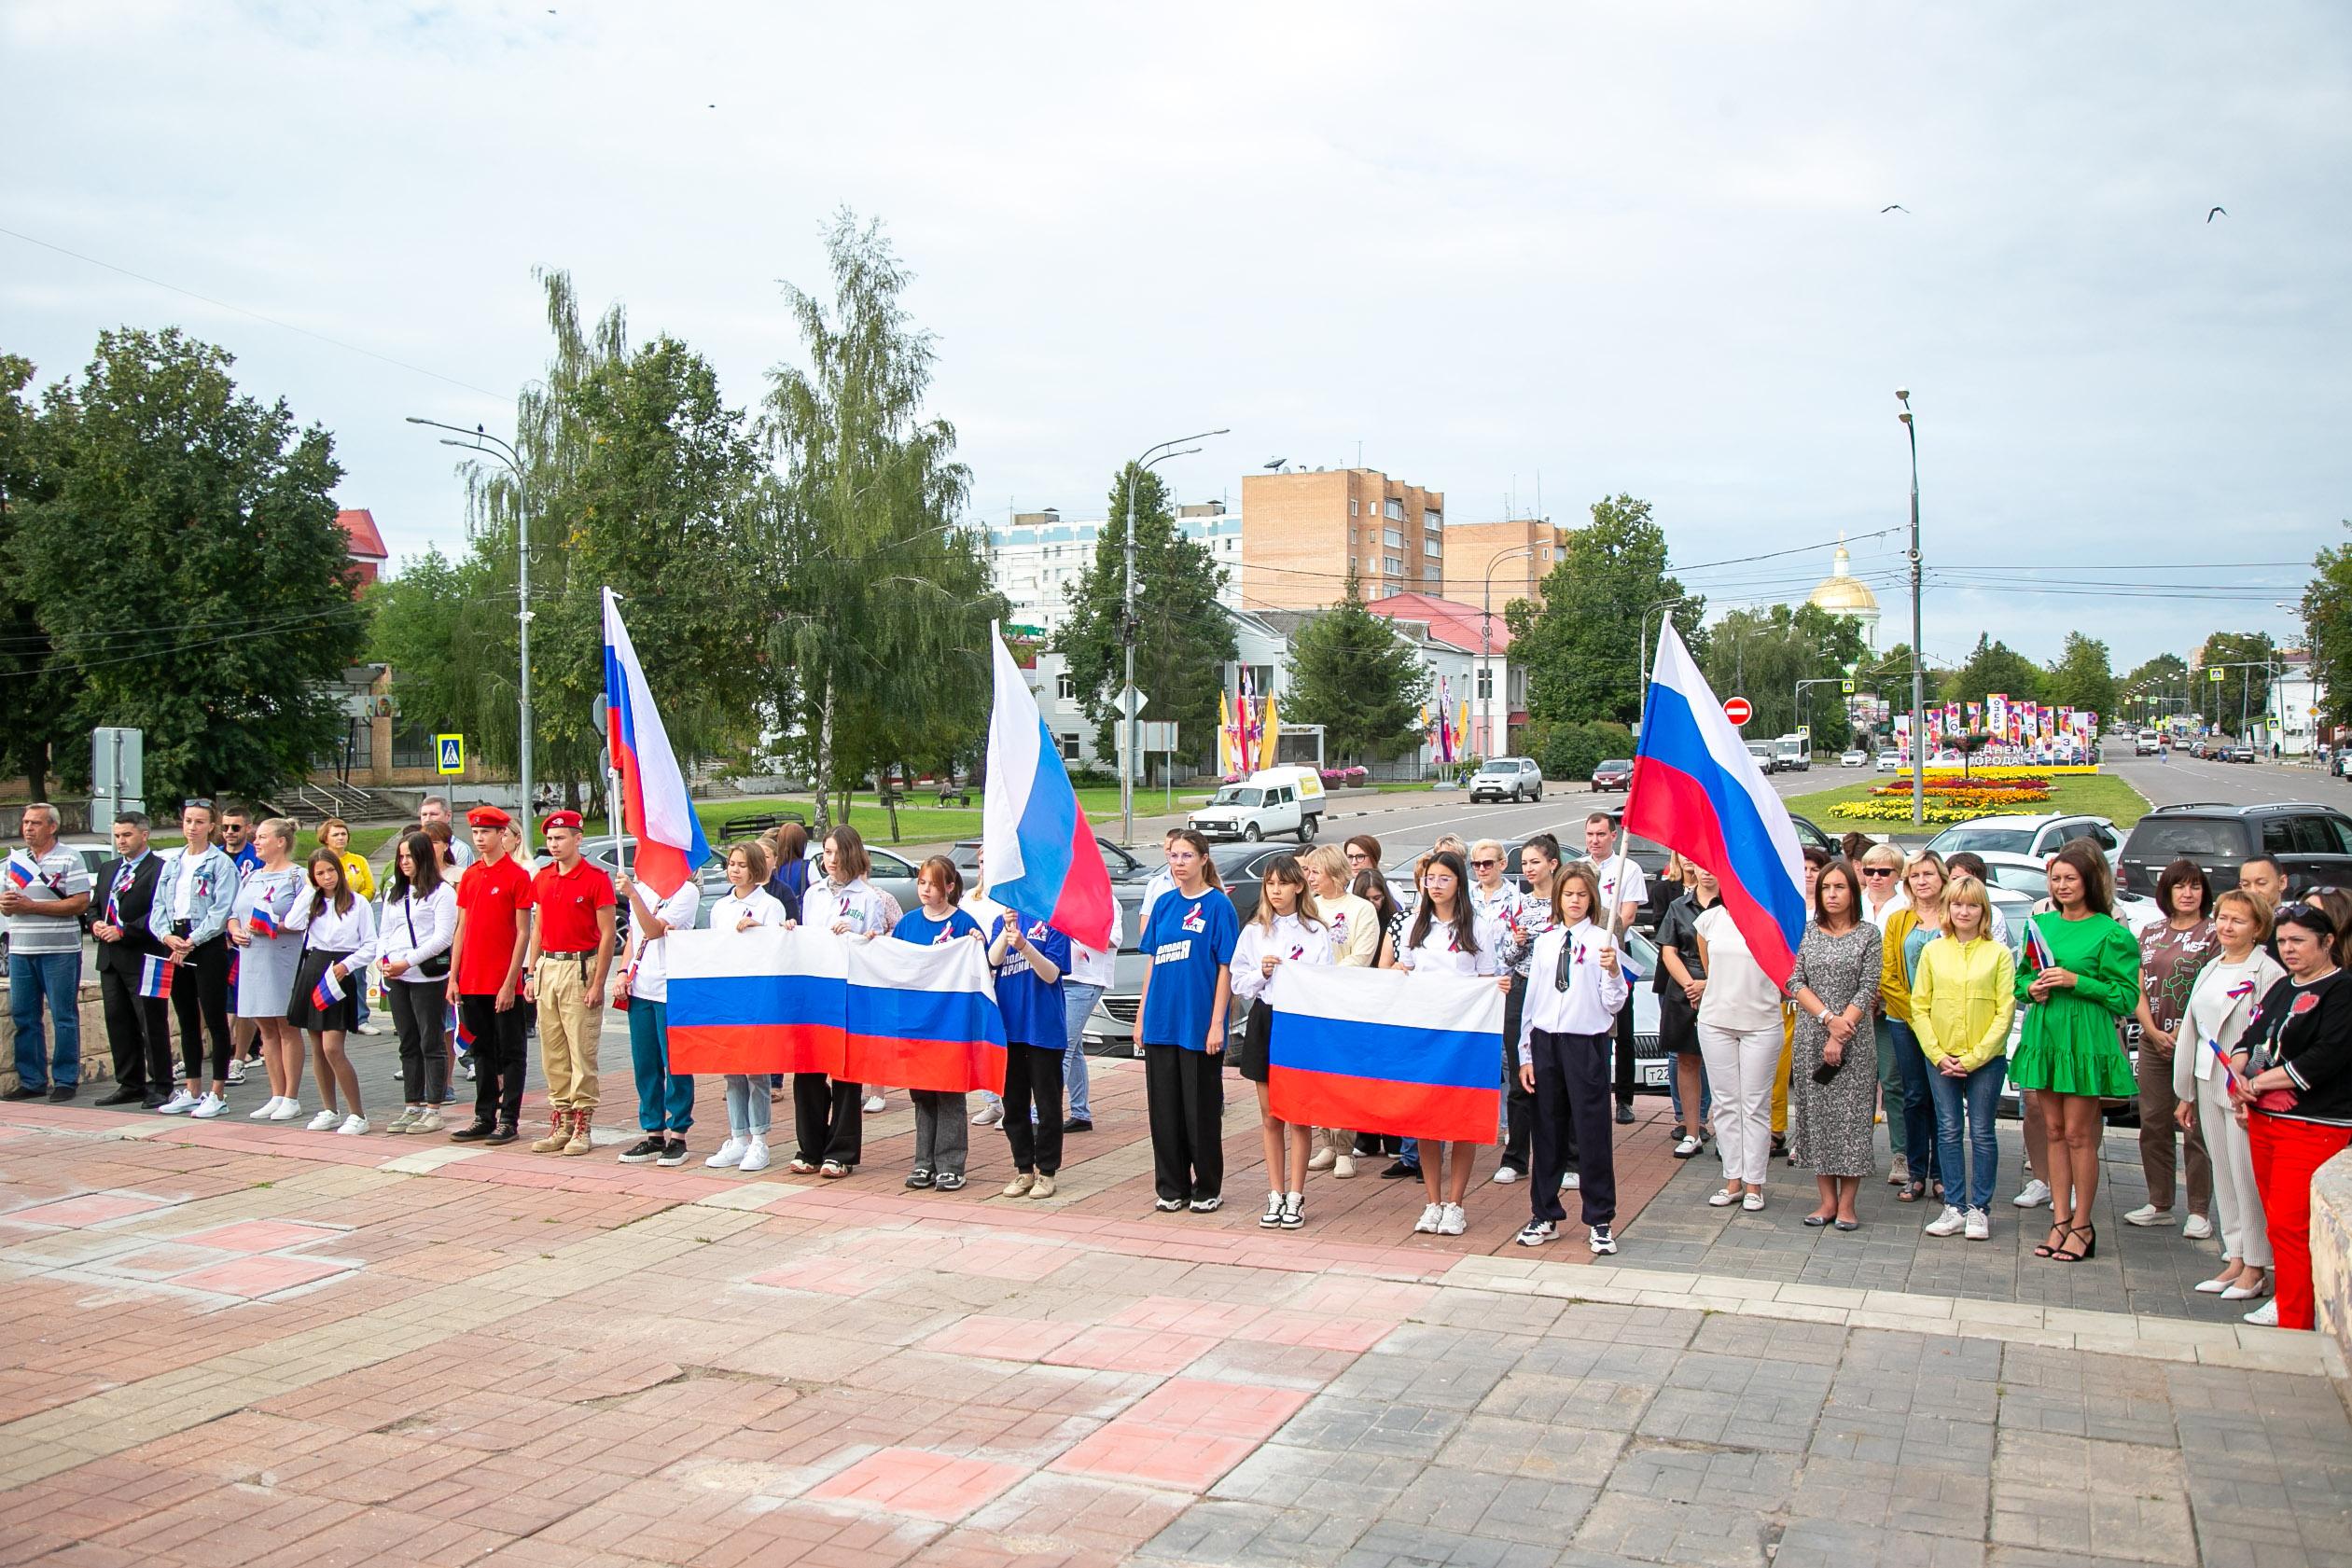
x=924, y=1017
x=328, y=991
x=765, y=1000
x=262, y=922
x=1042, y=859
x=1696, y=790
x=20, y=874
x=1386, y=1050
x=654, y=806
x=155, y=977
x=464, y=1035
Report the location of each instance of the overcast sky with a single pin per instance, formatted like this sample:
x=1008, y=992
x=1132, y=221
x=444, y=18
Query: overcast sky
x=1622, y=248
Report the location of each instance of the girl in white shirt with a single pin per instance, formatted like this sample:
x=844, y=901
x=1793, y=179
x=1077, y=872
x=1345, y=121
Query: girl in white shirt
x=340, y=938
x=1446, y=936
x=829, y=1117
x=746, y=906
x=1355, y=927
x=1575, y=990
x=413, y=939
x=1286, y=929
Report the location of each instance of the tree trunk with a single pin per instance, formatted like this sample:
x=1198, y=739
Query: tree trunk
x=823, y=762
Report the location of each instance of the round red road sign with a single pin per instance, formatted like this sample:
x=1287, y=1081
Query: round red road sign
x=1737, y=710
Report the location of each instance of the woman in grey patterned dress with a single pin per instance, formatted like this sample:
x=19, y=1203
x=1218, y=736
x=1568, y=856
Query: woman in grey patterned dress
x=1835, y=985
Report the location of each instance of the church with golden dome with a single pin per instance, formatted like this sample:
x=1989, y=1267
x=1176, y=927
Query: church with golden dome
x=1842, y=594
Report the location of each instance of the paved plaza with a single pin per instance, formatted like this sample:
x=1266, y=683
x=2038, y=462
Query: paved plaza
x=253, y=1345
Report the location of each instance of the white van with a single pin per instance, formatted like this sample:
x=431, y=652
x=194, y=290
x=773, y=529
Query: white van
x=1271, y=801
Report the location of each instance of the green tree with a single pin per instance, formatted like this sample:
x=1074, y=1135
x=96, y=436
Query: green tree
x=1995, y=666
x=1581, y=644
x=1762, y=654
x=418, y=616
x=37, y=694
x=1890, y=676
x=2080, y=678
x=188, y=567
x=2326, y=615
x=1183, y=636
x=879, y=604
x=2242, y=694
x=1351, y=673
x=2156, y=690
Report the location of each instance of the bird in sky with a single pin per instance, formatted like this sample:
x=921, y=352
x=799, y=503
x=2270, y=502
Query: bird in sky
x=2217, y=211
x=1893, y=207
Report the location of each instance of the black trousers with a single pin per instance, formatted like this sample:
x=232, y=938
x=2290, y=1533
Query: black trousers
x=199, y=1003
x=829, y=1118
x=1519, y=1104
x=1185, y=1092
x=418, y=1017
x=1033, y=1077
x=1572, y=1098
x=138, y=1032
x=1625, y=1053
x=500, y=1052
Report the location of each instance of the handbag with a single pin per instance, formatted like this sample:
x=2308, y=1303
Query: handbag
x=435, y=967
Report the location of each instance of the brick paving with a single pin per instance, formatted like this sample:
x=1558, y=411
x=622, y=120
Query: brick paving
x=246, y=1344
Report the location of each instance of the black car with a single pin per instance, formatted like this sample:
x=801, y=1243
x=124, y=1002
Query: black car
x=1616, y=773
x=2311, y=843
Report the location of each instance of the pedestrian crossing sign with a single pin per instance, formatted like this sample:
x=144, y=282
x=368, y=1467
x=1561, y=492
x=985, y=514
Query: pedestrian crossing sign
x=450, y=754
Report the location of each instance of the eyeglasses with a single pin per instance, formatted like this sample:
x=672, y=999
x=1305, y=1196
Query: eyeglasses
x=1485, y=865
x=1878, y=870
x=194, y=802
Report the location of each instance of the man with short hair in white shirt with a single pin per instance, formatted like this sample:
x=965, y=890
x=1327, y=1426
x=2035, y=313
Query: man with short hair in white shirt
x=435, y=808
x=1624, y=890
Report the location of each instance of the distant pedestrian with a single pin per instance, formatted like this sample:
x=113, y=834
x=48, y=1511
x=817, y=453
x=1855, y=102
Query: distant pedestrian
x=194, y=893
x=138, y=1016
x=1188, y=946
x=1837, y=976
x=413, y=936
x=43, y=895
x=942, y=1138
x=338, y=934
x=269, y=951
x=493, y=933
x=563, y=974
x=746, y=906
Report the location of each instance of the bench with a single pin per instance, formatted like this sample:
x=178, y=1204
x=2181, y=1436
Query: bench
x=751, y=825
x=955, y=795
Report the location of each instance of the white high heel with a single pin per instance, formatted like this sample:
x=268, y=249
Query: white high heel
x=2239, y=1293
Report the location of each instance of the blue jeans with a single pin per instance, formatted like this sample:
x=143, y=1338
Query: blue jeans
x=1976, y=1096
x=1919, y=1106
x=56, y=976
x=746, y=1104
x=665, y=1102
x=1706, y=1093
x=1077, y=1004
x=1409, y=1153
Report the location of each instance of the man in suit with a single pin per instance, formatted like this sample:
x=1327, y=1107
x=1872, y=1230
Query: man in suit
x=137, y=1028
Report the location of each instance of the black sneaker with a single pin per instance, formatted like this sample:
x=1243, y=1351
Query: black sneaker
x=1077, y=1124
x=673, y=1153
x=919, y=1179
x=1625, y=1114
x=60, y=1093
x=948, y=1181
x=645, y=1151
x=505, y=1133
x=474, y=1133
x=1401, y=1172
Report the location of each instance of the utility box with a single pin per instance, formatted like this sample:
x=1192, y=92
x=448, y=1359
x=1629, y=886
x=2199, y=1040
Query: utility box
x=117, y=775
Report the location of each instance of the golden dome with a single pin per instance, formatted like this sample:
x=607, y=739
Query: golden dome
x=1839, y=591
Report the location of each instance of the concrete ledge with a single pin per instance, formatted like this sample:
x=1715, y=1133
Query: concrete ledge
x=2332, y=1248
x=97, y=1060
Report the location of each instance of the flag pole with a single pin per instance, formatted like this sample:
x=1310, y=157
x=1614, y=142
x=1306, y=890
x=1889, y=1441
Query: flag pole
x=1624, y=820
x=613, y=810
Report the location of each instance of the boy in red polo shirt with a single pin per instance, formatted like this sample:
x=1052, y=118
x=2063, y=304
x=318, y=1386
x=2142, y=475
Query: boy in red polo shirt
x=493, y=931
x=563, y=974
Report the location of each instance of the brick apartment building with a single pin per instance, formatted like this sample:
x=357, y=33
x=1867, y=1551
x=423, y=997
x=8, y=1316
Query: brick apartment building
x=1307, y=530
x=1477, y=551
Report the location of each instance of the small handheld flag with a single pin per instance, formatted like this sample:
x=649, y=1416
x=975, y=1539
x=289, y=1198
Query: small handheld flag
x=2229, y=1074
x=261, y=922
x=155, y=977
x=465, y=1036
x=20, y=874
x=328, y=991
x=2037, y=950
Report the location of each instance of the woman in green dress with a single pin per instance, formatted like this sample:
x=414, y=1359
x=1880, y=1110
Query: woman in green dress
x=2080, y=977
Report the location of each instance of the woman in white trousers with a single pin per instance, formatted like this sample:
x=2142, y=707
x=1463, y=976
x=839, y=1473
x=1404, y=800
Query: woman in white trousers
x=2219, y=1007
x=1739, y=1040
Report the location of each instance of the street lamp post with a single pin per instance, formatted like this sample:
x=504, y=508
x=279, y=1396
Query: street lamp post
x=1798, y=712
x=479, y=440
x=1641, y=645
x=1918, y=667
x=1152, y=456
x=1485, y=635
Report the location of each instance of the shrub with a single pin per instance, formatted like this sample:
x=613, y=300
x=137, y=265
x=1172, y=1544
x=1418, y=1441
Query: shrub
x=1572, y=751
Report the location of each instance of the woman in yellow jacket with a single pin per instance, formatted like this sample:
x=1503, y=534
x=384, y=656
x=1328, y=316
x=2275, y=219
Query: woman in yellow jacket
x=1904, y=936
x=1961, y=1002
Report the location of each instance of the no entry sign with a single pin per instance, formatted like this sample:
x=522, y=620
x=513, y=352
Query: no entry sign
x=1737, y=710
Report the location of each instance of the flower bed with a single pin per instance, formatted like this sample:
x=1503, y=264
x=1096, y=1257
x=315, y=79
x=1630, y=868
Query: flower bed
x=1952, y=770
x=1899, y=809
x=1345, y=778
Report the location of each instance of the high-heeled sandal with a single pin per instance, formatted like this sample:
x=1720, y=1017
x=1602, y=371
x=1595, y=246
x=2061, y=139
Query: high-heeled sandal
x=2090, y=1248
x=2057, y=1239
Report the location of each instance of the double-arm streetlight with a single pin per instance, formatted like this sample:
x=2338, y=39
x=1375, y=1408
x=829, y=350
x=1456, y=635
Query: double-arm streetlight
x=481, y=441
x=1152, y=456
x=1918, y=666
x=1485, y=633
x=1641, y=647
x=1798, y=710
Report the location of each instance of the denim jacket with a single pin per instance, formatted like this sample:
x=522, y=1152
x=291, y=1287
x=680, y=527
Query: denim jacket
x=208, y=906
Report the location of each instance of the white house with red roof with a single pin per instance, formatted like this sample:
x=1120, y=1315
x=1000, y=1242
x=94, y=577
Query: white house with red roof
x=368, y=553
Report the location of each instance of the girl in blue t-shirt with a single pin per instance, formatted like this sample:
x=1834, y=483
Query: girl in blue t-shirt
x=941, y=1140
x=1030, y=957
x=1188, y=942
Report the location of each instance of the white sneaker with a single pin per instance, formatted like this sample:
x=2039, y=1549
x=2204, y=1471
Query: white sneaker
x=369, y=1028
x=353, y=1126
x=2265, y=1315
x=1505, y=1175
x=2036, y=1196
x=1432, y=1215
x=1980, y=1225
x=1271, y=1218
x=755, y=1156
x=209, y=1106
x=288, y=1108
x=1947, y=1223
x=873, y=1104
x=268, y=1108
x=1599, y=1239
x=2148, y=1214
x=1571, y=1182
x=1322, y=1158
x=1899, y=1172
x=2197, y=1227
x=1537, y=1233
x=1451, y=1221
x=326, y=1122
x=730, y=1154
x=988, y=1116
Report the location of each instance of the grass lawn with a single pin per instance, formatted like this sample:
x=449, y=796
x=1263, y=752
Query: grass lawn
x=2094, y=794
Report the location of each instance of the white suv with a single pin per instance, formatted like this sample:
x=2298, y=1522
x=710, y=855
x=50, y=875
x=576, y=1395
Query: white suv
x=1506, y=777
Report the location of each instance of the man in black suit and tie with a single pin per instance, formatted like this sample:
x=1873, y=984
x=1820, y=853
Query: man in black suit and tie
x=136, y=1028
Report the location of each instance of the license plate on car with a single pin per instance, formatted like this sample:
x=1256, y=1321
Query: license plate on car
x=1653, y=1074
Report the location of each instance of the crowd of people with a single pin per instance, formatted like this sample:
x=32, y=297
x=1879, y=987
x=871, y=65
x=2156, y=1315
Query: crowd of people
x=1907, y=984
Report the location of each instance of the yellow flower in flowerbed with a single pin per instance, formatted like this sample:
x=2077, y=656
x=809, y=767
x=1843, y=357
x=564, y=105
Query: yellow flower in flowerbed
x=1889, y=810
x=1978, y=800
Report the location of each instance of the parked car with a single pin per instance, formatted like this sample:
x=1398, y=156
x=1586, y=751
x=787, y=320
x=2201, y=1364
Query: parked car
x=2312, y=842
x=1854, y=758
x=2241, y=751
x=2027, y=877
x=1617, y=775
x=1889, y=760
x=1111, y=1027
x=2036, y=836
x=1506, y=777
x=1122, y=866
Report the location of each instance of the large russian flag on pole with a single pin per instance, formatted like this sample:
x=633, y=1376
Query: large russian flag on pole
x=1042, y=859
x=1385, y=1050
x=1696, y=790
x=654, y=806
